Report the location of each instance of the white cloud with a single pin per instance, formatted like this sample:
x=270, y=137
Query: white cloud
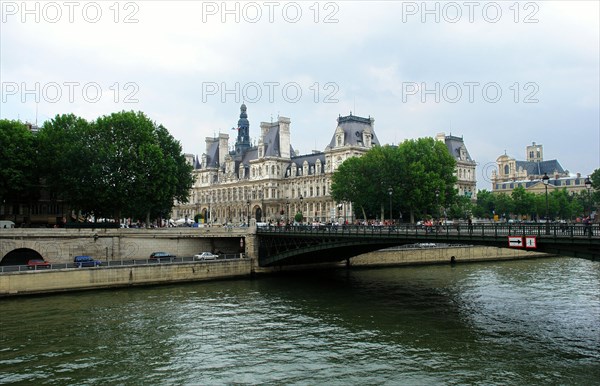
x=362, y=62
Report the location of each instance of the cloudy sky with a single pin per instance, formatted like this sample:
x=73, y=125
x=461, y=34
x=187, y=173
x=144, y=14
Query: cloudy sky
x=501, y=74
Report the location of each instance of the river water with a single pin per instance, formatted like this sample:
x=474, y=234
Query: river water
x=532, y=322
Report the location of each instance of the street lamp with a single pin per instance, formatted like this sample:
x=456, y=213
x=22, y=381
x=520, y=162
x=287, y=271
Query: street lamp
x=437, y=208
x=390, y=191
x=248, y=213
x=287, y=214
x=301, y=208
x=546, y=180
x=588, y=185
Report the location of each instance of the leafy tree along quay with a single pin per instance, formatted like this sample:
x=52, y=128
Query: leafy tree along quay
x=18, y=172
x=121, y=165
x=414, y=171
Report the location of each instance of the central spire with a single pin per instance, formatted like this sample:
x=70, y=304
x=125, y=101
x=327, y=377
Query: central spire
x=242, y=143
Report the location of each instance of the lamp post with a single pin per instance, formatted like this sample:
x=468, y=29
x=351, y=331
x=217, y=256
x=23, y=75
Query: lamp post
x=301, y=209
x=437, y=208
x=390, y=191
x=248, y=213
x=546, y=180
x=588, y=186
x=287, y=214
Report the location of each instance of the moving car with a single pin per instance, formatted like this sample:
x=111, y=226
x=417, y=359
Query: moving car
x=86, y=261
x=37, y=264
x=161, y=255
x=205, y=256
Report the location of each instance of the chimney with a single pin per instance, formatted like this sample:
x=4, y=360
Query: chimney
x=284, y=137
x=223, y=147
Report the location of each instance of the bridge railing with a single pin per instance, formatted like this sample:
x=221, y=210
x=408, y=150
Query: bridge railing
x=553, y=230
x=118, y=263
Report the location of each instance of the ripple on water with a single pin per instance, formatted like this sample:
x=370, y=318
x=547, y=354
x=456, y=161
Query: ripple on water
x=528, y=322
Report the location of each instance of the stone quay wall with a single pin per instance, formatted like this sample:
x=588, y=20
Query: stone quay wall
x=453, y=254
x=74, y=279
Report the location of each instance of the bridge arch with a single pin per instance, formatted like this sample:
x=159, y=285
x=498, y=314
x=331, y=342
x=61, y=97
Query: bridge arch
x=20, y=256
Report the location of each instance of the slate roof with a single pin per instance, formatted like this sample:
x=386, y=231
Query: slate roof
x=212, y=155
x=311, y=159
x=271, y=142
x=539, y=168
x=454, y=144
x=353, y=127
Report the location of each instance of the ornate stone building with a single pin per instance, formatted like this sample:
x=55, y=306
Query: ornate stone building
x=271, y=182
x=512, y=173
x=466, y=183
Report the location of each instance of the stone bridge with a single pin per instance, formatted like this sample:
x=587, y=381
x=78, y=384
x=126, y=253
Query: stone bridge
x=279, y=246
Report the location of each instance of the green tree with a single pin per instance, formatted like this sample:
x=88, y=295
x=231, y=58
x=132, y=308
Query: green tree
x=120, y=165
x=503, y=205
x=523, y=202
x=17, y=159
x=351, y=183
x=461, y=209
x=64, y=151
x=425, y=167
x=485, y=204
x=414, y=171
x=19, y=177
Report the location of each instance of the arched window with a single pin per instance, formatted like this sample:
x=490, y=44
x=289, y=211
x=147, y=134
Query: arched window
x=506, y=169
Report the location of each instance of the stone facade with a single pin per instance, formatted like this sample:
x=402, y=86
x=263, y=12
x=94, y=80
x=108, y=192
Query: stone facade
x=271, y=182
x=528, y=174
x=466, y=181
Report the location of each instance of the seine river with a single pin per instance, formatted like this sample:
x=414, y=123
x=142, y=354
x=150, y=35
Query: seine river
x=534, y=322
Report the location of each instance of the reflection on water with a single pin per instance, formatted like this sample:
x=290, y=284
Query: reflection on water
x=521, y=322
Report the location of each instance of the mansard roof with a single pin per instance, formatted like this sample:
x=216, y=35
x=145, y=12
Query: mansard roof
x=539, y=168
x=354, y=127
x=310, y=158
x=454, y=144
x=212, y=155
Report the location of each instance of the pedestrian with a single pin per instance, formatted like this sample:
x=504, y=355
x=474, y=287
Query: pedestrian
x=587, y=226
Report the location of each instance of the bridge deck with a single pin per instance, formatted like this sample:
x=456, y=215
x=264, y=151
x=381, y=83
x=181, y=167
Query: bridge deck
x=307, y=244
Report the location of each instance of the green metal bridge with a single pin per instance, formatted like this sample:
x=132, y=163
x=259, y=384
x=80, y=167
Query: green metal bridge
x=296, y=245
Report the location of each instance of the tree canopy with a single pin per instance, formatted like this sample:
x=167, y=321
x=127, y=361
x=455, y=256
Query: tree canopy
x=417, y=177
x=18, y=172
x=121, y=165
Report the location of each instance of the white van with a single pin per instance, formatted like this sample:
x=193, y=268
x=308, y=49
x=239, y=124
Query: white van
x=6, y=224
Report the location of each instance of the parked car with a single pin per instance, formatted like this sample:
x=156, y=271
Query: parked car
x=161, y=255
x=37, y=264
x=205, y=256
x=86, y=261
